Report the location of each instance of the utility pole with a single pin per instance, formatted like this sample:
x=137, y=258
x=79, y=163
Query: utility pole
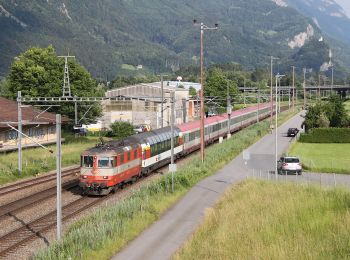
x=293, y=103
x=319, y=86
x=289, y=98
x=279, y=95
x=257, y=113
x=276, y=169
x=58, y=172
x=172, y=166
x=162, y=104
x=203, y=27
x=332, y=77
x=66, y=91
x=278, y=77
x=244, y=92
x=19, y=127
x=202, y=96
x=184, y=110
x=271, y=95
x=271, y=98
x=75, y=111
x=229, y=112
x=304, y=70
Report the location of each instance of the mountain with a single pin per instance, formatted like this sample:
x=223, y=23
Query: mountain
x=112, y=37
x=328, y=15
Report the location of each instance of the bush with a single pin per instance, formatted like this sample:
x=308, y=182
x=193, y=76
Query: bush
x=121, y=130
x=326, y=135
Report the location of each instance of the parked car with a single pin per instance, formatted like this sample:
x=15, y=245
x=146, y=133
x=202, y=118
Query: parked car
x=79, y=130
x=289, y=164
x=142, y=128
x=292, y=132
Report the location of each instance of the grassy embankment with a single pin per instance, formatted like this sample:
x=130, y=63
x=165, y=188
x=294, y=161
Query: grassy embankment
x=38, y=160
x=262, y=220
x=108, y=230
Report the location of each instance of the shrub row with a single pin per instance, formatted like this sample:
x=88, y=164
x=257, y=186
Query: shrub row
x=326, y=135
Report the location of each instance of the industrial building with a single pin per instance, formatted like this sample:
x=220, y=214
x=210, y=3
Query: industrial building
x=146, y=105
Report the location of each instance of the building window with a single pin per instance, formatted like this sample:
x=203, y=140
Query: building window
x=12, y=135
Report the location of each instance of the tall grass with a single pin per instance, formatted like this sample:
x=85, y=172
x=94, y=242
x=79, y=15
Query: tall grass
x=108, y=230
x=262, y=220
x=38, y=160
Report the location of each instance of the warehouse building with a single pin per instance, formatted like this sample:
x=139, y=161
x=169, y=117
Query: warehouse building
x=144, y=108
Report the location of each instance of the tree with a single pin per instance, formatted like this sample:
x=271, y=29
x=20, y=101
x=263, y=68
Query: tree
x=323, y=121
x=38, y=72
x=217, y=85
x=331, y=114
x=4, y=88
x=120, y=129
x=336, y=112
x=192, y=91
x=312, y=117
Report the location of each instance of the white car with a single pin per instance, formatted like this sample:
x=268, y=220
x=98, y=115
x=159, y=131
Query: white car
x=289, y=164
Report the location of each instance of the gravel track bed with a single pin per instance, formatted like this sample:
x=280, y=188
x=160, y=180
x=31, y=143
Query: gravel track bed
x=29, y=249
x=20, y=218
x=5, y=199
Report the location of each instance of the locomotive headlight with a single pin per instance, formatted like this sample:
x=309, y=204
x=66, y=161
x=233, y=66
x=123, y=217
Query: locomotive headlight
x=84, y=177
x=105, y=177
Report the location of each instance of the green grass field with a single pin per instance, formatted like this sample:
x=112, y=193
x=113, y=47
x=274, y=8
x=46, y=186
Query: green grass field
x=262, y=220
x=38, y=160
x=328, y=158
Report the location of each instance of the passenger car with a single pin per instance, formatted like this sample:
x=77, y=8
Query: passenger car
x=292, y=132
x=289, y=164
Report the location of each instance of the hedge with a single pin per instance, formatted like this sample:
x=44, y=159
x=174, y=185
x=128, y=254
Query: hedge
x=326, y=135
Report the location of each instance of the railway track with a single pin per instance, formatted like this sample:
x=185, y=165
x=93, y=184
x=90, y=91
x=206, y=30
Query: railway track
x=32, y=200
x=36, y=181
x=11, y=241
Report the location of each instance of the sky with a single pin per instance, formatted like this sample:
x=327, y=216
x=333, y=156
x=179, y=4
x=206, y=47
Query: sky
x=345, y=4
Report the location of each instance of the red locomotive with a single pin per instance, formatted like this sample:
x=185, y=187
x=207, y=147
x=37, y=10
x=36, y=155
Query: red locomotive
x=109, y=166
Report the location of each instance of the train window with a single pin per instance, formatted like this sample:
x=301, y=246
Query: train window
x=113, y=161
x=135, y=154
x=103, y=162
x=155, y=151
x=88, y=161
x=121, y=158
x=129, y=155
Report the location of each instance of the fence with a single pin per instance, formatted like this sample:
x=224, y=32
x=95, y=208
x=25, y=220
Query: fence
x=322, y=179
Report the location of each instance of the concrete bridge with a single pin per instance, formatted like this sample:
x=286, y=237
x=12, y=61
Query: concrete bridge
x=325, y=90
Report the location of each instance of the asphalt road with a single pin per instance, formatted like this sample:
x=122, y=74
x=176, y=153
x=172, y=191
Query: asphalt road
x=162, y=239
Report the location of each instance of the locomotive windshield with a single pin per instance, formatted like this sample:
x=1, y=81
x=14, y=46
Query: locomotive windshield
x=103, y=162
x=87, y=161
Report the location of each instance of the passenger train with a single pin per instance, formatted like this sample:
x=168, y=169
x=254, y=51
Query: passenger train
x=109, y=166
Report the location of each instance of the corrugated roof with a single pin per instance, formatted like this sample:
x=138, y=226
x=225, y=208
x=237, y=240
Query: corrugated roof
x=9, y=113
